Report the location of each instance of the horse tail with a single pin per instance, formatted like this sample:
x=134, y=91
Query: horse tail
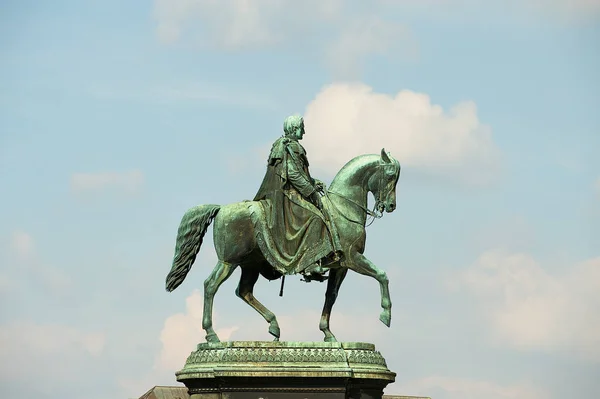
x=191, y=231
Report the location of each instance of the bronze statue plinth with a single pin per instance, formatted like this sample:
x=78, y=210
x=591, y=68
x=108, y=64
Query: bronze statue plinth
x=285, y=370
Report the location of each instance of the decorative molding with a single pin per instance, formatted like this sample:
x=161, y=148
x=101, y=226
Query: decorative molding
x=279, y=359
x=365, y=357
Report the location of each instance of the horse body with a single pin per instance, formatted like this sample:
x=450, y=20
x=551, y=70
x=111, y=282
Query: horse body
x=233, y=220
x=235, y=241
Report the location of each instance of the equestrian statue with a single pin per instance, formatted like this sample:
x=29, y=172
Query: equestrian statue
x=294, y=225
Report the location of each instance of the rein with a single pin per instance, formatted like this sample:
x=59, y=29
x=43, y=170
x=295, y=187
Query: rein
x=376, y=213
x=373, y=213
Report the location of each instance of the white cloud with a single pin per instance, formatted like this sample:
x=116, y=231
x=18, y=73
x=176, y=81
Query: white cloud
x=344, y=34
x=440, y=387
x=248, y=24
x=238, y=24
x=56, y=349
x=229, y=23
x=129, y=182
x=529, y=308
x=243, y=24
x=363, y=37
x=349, y=119
x=182, y=332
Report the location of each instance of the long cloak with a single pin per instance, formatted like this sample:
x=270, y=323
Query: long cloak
x=295, y=235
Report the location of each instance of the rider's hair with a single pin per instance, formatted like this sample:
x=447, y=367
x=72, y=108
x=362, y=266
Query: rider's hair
x=291, y=123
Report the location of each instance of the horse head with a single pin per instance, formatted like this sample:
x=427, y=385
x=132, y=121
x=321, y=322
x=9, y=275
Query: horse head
x=383, y=183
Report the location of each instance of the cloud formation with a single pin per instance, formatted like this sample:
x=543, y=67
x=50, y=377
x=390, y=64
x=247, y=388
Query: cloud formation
x=346, y=119
x=341, y=35
x=238, y=24
x=359, y=38
x=531, y=309
x=253, y=24
x=179, y=336
x=182, y=332
x=57, y=349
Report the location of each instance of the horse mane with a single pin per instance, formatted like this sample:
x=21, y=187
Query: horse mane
x=359, y=162
x=356, y=163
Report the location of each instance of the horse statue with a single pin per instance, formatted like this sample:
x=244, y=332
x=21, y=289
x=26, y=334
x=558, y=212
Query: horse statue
x=235, y=241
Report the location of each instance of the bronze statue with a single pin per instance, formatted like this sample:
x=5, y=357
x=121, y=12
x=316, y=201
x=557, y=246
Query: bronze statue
x=301, y=236
x=288, y=229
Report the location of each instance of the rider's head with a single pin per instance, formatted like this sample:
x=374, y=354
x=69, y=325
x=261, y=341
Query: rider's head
x=293, y=127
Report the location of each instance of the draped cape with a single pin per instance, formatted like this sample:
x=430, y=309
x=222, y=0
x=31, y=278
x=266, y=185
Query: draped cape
x=295, y=235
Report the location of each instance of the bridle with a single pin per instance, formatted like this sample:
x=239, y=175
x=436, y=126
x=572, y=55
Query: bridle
x=378, y=207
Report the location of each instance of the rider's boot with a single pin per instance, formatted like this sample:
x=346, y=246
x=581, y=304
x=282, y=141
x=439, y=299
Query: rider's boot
x=315, y=272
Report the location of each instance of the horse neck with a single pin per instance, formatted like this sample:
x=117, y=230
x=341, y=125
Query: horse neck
x=352, y=181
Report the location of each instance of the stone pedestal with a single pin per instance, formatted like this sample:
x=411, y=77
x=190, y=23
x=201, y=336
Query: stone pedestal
x=285, y=370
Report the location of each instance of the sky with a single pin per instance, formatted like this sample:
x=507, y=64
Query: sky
x=116, y=117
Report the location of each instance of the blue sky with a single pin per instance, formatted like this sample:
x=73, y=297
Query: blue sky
x=117, y=117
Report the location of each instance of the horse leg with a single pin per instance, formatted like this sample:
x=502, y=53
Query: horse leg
x=336, y=276
x=364, y=266
x=244, y=291
x=220, y=273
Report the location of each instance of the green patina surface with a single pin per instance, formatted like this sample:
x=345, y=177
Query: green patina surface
x=295, y=225
x=357, y=360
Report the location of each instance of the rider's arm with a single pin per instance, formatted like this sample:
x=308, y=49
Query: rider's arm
x=298, y=178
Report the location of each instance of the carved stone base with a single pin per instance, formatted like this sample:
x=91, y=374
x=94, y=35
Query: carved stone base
x=290, y=370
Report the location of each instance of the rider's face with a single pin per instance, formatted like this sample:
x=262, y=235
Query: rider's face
x=300, y=132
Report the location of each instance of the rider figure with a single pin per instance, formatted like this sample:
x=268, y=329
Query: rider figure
x=289, y=163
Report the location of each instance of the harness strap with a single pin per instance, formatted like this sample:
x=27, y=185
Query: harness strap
x=364, y=208
x=375, y=213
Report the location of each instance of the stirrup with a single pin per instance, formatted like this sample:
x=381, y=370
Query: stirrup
x=314, y=276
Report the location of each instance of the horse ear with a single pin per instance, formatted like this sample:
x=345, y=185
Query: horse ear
x=385, y=157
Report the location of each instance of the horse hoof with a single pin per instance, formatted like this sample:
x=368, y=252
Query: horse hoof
x=330, y=339
x=275, y=331
x=212, y=338
x=386, y=317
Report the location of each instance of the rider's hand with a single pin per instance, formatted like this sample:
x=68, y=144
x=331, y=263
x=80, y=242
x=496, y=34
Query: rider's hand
x=319, y=185
x=316, y=200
